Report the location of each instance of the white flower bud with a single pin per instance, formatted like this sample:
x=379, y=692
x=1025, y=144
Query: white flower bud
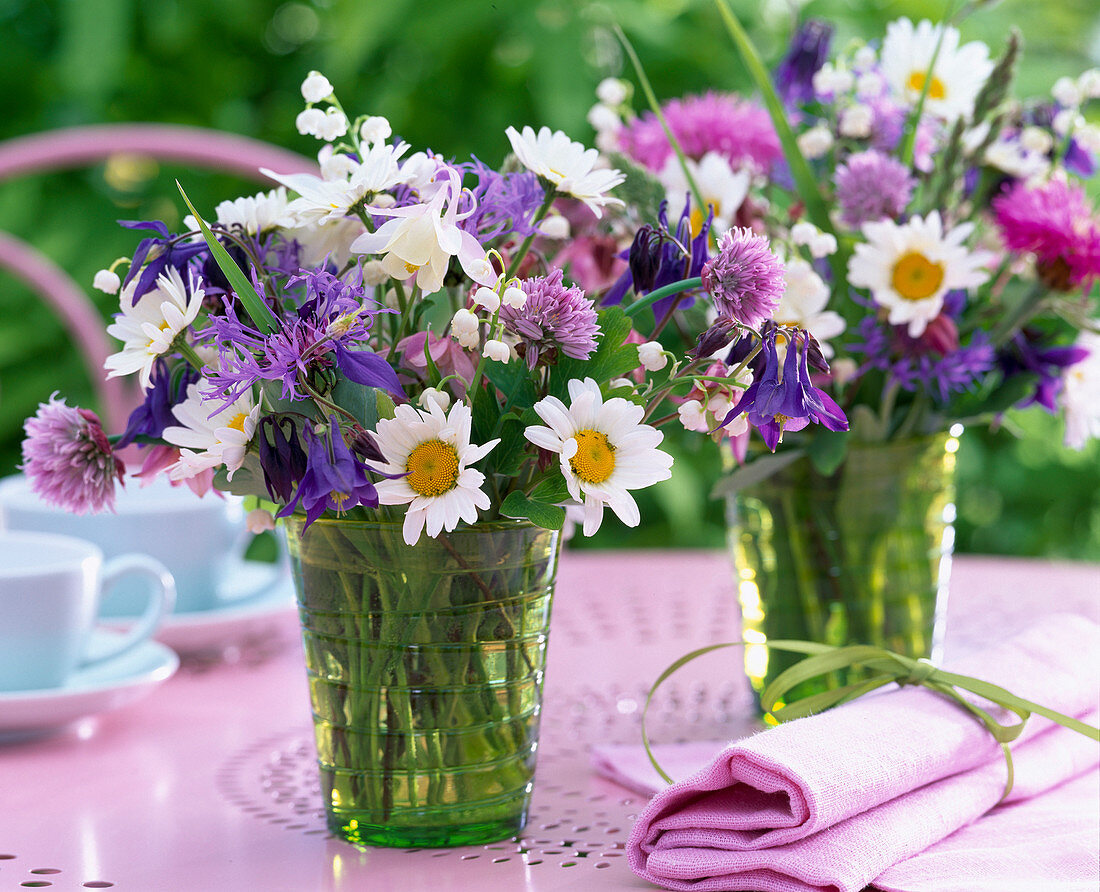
x=843, y=370
x=316, y=87
x=869, y=84
x=855, y=121
x=651, y=356
x=374, y=274
x=616, y=383
x=310, y=122
x=375, y=129
x=555, y=226
x=831, y=80
x=601, y=117
x=433, y=395
x=692, y=416
x=106, y=281
x=815, y=142
x=804, y=232
x=737, y=425
x=864, y=57
x=1067, y=119
x=1037, y=140
x=481, y=270
x=822, y=245
x=1087, y=137
x=514, y=297
x=335, y=126
x=337, y=165
x=612, y=91
x=496, y=350
x=259, y=521
x=1066, y=92
x=1088, y=84
x=465, y=327
x=487, y=298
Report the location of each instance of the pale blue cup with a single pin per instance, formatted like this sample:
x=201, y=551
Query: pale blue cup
x=50, y=598
x=200, y=540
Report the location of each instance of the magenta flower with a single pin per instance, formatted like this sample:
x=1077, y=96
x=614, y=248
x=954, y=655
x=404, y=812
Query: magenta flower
x=555, y=318
x=744, y=279
x=737, y=129
x=68, y=459
x=871, y=186
x=1055, y=223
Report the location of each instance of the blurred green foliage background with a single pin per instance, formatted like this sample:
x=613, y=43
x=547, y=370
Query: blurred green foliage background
x=450, y=76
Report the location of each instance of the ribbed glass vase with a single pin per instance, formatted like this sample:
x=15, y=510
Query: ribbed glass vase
x=860, y=556
x=425, y=668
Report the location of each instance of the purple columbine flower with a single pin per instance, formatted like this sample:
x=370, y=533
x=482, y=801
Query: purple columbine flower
x=781, y=397
x=807, y=53
x=1027, y=354
x=162, y=251
x=68, y=459
x=333, y=319
x=334, y=478
x=282, y=458
x=556, y=318
x=745, y=279
x=872, y=186
x=167, y=388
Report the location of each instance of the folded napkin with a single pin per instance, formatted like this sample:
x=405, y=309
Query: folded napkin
x=831, y=801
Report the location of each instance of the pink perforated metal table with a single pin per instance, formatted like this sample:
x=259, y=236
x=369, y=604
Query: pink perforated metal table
x=209, y=784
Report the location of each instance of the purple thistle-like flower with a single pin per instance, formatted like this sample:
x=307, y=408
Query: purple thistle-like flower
x=872, y=186
x=782, y=397
x=334, y=317
x=555, y=318
x=735, y=128
x=505, y=202
x=68, y=459
x=334, y=479
x=745, y=279
x=807, y=53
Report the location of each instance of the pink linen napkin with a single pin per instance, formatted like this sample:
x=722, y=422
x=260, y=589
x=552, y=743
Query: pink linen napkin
x=887, y=775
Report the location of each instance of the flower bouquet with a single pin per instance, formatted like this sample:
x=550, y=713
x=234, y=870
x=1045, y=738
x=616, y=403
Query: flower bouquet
x=393, y=360
x=940, y=251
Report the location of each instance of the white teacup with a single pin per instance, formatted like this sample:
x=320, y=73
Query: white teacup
x=50, y=591
x=200, y=540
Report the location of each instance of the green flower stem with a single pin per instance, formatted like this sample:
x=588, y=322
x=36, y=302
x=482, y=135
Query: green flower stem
x=912, y=123
x=654, y=296
x=1020, y=314
x=185, y=350
x=525, y=246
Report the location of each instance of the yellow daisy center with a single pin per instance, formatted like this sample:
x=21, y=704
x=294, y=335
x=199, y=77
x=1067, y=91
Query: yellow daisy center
x=433, y=468
x=238, y=422
x=594, y=460
x=916, y=277
x=936, y=90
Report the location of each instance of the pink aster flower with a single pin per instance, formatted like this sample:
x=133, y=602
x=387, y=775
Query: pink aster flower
x=555, y=318
x=871, y=186
x=68, y=459
x=1055, y=223
x=735, y=128
x=744, y=279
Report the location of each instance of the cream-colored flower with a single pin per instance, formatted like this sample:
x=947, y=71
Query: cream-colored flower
x=567, y=165
x=909, y=268
x=254, y=214
x=803, y=304
x=431, y=450
x=1080, y=396
x=605, y=450
x=148, y=329
x=721, y=187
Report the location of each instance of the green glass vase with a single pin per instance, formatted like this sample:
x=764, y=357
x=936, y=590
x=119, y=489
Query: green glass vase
x=859, y=556
x=425, y=668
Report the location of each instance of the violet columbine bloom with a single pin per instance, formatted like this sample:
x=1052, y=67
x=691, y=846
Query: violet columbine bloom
x=334, y=478
x=282, y=458
x=1026, y=354
x=1054, y=222
x=781, y=397
x=807, y=53
x=556, y=318
x=167, y=388
x=324, y=332
x=163, y=250
x=745, y=279
x=871, y=186
x=68, y=459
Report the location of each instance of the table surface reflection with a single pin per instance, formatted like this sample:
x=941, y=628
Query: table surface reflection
x=209, y=784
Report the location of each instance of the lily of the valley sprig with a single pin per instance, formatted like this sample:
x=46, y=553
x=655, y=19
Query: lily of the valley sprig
x=407, y=337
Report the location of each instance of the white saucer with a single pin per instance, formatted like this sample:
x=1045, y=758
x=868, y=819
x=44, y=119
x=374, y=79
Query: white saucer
x=94, y=689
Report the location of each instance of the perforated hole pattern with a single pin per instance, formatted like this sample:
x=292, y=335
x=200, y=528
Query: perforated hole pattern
x=34, y=878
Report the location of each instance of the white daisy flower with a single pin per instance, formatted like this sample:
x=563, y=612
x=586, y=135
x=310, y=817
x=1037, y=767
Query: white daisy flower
x=910, y=268
x=211, y=433
x=322, y=200
x=254, y=214
x=605, y=450
x=720, y=186
x=1081, y=394
x=432, y=452
x=803, y=304
x=148, y=329
x=958, y=75
x=420, y=239
x=568, y=165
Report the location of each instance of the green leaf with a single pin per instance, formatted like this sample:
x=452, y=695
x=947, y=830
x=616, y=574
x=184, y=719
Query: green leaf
x=827, y=450
x=640, y=190
x=547, y=516
x=759, y=469
x=509, y=455
x=261, y=315
x=248, y=479
x=611, y=359
x=383, y=404
x=359, y=399
x=552, y=488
